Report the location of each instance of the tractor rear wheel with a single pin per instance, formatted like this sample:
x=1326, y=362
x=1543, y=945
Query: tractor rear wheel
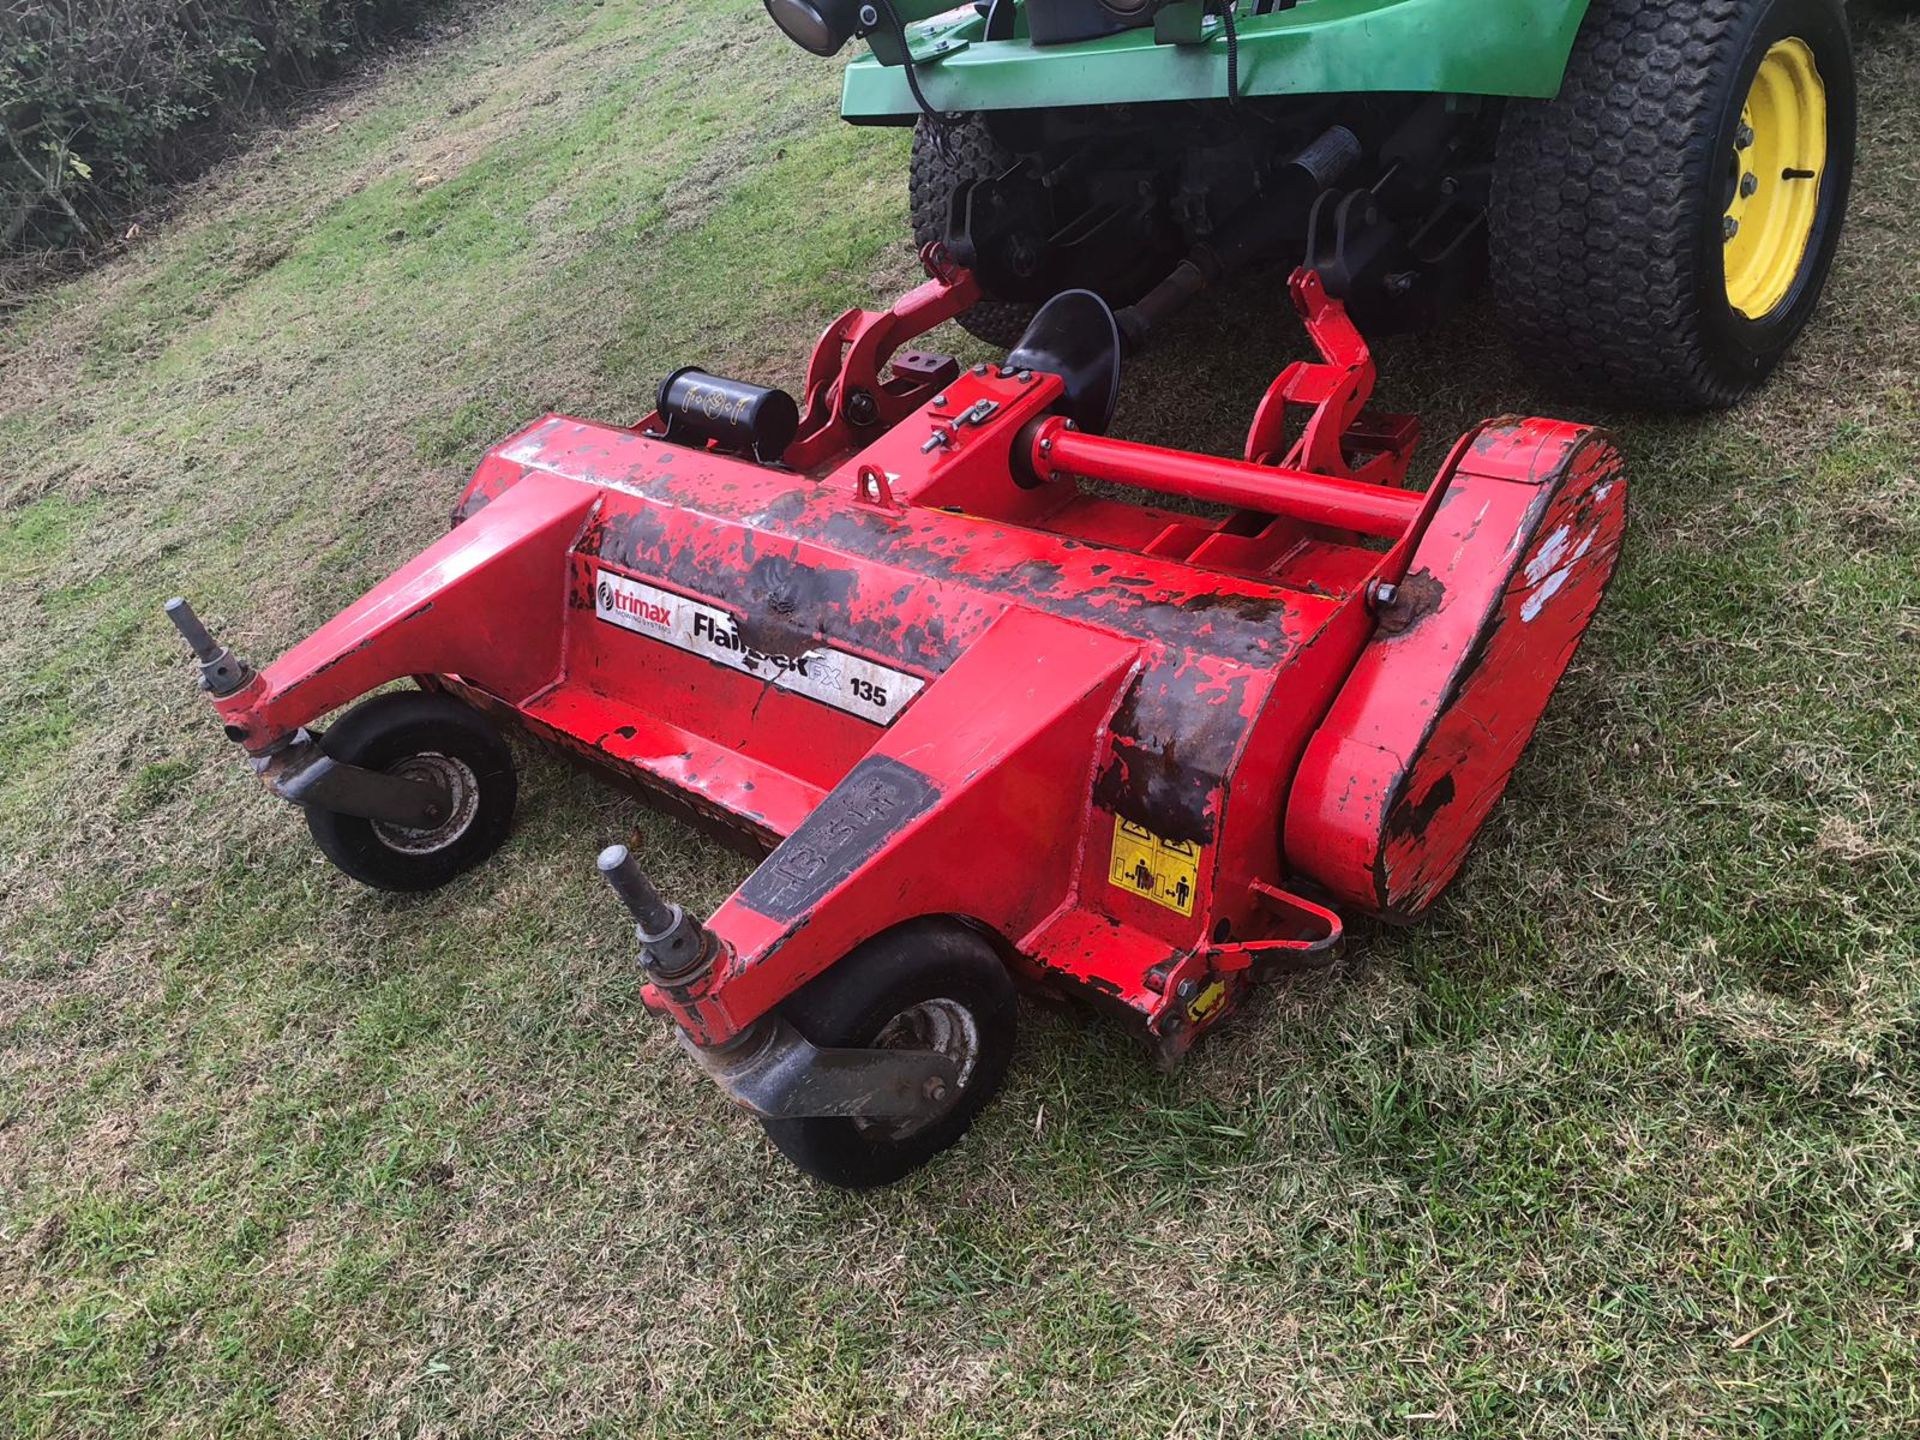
x=928, y=984
x=941, y=164
x=1662, y=229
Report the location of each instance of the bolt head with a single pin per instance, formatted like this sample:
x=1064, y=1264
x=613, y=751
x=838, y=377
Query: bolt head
x=940, y=399
x=1729, y=227
x=1186, y=989
x=869, y=16
x=1743, y=137
x=936, y=1090
x=1749, y=183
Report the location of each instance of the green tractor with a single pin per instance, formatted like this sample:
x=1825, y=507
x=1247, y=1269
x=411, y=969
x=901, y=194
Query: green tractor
x=1653, y=188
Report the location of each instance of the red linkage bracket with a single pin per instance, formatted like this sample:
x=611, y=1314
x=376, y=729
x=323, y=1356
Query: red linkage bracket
x=843, y=377
x=1334, y=390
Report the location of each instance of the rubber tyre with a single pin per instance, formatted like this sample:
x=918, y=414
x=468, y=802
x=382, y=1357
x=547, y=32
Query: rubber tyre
x=853, y=1002
x=971, y=153
x=384, y=732
x=1607, y=201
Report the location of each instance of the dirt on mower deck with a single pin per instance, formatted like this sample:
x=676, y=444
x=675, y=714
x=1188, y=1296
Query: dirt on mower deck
x=1627, y=1142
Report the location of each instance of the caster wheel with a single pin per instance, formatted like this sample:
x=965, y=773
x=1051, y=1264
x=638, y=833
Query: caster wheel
x=422, y=737
x=929, y=984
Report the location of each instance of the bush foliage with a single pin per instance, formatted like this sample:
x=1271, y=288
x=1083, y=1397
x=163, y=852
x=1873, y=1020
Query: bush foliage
x=100, y=98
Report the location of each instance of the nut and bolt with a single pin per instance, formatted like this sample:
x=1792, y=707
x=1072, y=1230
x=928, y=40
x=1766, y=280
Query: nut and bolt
x=1749, y=183
x=1729, y=227
x=1186, y=989
x=1743, y=137
x=936, y=1090
x=1383, y=594
x=940, y=400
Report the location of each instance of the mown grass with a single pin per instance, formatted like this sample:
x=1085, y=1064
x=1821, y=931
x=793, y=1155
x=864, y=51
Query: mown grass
x=1625, y=1142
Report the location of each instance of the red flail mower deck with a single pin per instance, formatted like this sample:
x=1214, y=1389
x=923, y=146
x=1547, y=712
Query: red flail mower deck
x=987, y=720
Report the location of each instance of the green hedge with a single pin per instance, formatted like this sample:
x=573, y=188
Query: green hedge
x=101, y=98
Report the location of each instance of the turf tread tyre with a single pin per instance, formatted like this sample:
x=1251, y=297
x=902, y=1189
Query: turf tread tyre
x=853, y=1000
x=1604, y=202
x=388, y=729
x=970, y=153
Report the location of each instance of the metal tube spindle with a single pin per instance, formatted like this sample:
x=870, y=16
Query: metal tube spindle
x=1318, y=499
x=197, y=636
x=630, y=883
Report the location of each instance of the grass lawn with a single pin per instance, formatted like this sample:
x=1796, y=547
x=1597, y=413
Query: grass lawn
x=1625, y=1142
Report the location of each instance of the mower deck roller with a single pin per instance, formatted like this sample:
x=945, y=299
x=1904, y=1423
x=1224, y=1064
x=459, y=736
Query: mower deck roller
x=987, y=720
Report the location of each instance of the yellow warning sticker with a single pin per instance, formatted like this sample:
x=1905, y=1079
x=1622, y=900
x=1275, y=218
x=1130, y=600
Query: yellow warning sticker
x=1207, y=1001
x=1166, y=872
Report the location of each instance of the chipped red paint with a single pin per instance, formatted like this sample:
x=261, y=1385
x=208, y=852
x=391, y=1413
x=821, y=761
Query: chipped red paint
x=1420, y=743
x=933, y=690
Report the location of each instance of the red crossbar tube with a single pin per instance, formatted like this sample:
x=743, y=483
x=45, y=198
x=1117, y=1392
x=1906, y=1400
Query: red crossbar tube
x=1055, y=450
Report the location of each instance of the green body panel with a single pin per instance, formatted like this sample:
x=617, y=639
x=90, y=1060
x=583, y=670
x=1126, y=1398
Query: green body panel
x=1456, y=47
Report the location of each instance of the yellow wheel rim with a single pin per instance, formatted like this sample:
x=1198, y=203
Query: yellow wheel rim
x=1779, y=156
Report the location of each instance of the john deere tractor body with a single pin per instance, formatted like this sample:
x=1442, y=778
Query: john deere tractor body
x=1654, y=187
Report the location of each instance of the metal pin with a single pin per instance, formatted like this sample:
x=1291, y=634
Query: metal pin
x=197, y=636
x=221, y=671
x=620, y=870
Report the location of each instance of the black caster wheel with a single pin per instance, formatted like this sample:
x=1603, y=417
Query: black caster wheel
x=423, y=737
x=928, y=984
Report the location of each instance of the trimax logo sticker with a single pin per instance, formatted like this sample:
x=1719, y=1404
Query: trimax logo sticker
x=851, y=683
x=1166, y=872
